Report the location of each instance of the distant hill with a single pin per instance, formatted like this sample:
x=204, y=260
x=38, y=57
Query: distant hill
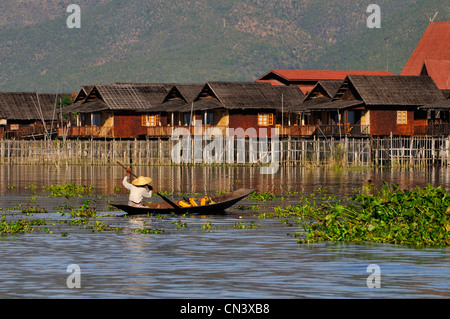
x=199, y=40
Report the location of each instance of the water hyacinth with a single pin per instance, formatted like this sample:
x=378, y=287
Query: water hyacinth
x=418, y=217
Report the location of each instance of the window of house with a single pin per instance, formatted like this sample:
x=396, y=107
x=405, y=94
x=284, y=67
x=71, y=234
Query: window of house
x=402, y=117
x=265, y=119
x=186, y=118
x=96, y=119
x=209, y=118
x=14, y=127
x=150, y=120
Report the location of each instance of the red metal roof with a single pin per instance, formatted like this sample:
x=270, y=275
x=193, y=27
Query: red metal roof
x=439, y=71
x=316, y=75
x=273, y=82
x=434, y=45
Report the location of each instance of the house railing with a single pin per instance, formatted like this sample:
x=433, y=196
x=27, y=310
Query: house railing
x=86, y=131
x=166, y=131
x=325, y=130
x=29, y=131
x=441, y=129
x=300, y=130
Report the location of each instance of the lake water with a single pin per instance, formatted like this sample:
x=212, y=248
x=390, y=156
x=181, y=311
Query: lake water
x=188, y=261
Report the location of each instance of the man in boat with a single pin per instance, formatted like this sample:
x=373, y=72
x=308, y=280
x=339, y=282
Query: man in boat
x=139, y=188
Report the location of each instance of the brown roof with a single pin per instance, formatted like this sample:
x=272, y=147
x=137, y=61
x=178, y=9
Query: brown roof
x=446, y=93
x=440, y=105
x=393, y=90
x=82, y=93
x=178, y=96
x=333, y=105
x=245, y=95
x=318, y=75
x=27, y=106
x=127, y=96
x=324, y=88
x=88, y=107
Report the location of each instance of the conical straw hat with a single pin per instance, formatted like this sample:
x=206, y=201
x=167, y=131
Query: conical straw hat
x=141, y=181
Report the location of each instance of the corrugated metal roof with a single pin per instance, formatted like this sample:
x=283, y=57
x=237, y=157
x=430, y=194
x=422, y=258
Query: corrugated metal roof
x=439, y=70
x=434, y=45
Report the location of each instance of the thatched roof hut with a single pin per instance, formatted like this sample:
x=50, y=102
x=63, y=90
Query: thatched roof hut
x=322, y=92
x=178, y=96
x=244, y=95
x=29, y=106
x=390, y=90
x=121, y=96
x=82, y=93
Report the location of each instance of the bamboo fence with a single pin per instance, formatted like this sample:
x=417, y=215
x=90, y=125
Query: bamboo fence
x=379, y=151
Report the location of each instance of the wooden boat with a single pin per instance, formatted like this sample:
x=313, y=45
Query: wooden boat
x=220, y=204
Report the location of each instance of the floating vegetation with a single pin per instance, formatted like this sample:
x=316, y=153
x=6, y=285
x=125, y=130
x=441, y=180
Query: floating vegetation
x=208, y=226
x=247, y=207
x=19, y=226
x=241, y=225
x=30, y=210
x=85, y=210
x=69, y=190
x=180, y=224
x=148, y=231
x=260, y=196
x=418, y=217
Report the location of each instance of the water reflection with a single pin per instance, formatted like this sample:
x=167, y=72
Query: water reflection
x=15, y=179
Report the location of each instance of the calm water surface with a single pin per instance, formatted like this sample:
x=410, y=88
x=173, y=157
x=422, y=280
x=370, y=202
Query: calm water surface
x=191, y=262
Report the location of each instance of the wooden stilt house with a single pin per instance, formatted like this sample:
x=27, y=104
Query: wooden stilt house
x=233, y=105
x=27, y=114
x=378, y=105
x=160, y=119
x=110, y=111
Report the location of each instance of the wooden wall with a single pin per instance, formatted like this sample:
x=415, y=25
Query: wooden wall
x=128, y=125
x=246, y=119
x=384, y=122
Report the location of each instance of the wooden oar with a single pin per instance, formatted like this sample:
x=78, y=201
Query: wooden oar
x=160, y=195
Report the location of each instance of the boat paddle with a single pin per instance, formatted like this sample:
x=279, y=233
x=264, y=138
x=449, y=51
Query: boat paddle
x=160, y=195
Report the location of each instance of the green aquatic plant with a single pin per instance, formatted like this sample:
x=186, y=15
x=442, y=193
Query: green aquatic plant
x=69, y=190
x=85, y=210
x=148, y=231
x=262, y=196
x=19, y=226
x=29, y=210
x=418, y=217
x=180, y=224
x=241, y=225
x=208, y=226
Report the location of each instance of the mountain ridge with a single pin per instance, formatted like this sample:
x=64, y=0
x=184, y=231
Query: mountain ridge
x=200, y=40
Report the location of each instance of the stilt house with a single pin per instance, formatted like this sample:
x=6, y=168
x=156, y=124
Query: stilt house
x=27, y=114
x=111, y=111
x=230, y=105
